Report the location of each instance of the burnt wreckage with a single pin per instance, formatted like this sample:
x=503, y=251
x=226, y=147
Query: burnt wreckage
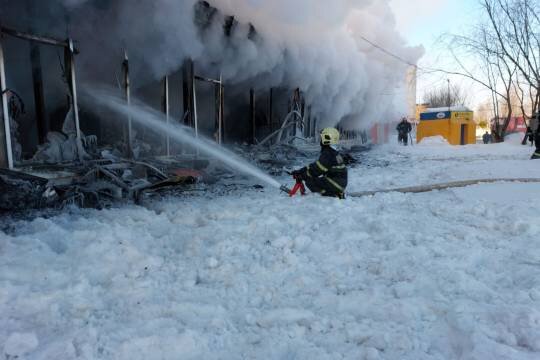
x=120, y=162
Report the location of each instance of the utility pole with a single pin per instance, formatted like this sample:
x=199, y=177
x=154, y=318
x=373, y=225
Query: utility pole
x=448, y=95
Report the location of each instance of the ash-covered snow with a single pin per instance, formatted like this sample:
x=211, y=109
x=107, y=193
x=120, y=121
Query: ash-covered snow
x=252, y=274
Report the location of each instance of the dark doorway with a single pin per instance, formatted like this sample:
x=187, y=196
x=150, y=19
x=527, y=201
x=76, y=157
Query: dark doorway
x=463, y=134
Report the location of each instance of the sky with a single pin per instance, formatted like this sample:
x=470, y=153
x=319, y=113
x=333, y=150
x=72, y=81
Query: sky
x=423, y=22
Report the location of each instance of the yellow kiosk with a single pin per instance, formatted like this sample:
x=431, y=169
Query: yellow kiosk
x=456, y=125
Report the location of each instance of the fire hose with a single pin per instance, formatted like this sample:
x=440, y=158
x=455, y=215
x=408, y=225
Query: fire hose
x=299, y=186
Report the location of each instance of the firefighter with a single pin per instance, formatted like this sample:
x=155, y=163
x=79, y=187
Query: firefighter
x=536, y=154
x=529, y=135
x=404, y=128
x=328, y=175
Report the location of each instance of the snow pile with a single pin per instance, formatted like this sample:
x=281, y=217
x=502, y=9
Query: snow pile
x=395, y=166
x=18, y=344
x=434, y=141
x=257, y=275
x=457, y=108
x=515, y=138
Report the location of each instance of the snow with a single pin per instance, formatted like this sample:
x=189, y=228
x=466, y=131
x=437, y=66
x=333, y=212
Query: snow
x=19, y=344
x=433, y=140
x=451, y=108
x=256, y=275
x=433, y=162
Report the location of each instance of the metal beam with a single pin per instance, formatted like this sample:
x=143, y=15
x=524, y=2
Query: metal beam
x=39, y=99
x=219, y=110
x=218, y=89
x=70, y=51
x=6, y=155
x=195, y=119
x=187, y=86
x=309, y=125
x=295, y=106
x=128, y=136
x=220, y=99
x=69, y=57
x=270, y=106
x=42, y=120
x=202, y=78
x=222, y=107
x=36, y=38
x=252, y=115
x=303, y=112
x=166, y=110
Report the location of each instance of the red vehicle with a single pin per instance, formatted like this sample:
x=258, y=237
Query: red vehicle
x=516, y=125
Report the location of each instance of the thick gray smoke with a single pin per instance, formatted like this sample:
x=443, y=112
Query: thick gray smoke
x=319, y=45
x=315, y=45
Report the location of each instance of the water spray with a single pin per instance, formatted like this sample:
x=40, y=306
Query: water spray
x=155, y=120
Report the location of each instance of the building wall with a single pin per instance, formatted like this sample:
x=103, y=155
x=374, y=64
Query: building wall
x=458, y=119
x=411, y=91
x=428, y=128
x=420, y=108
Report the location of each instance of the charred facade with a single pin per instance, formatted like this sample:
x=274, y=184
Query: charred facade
x=51, y=135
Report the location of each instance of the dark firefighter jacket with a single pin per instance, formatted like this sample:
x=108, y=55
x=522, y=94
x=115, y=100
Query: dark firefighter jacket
x=536, y=154
x=330, y=167
x=404, y=127
x=529, y=134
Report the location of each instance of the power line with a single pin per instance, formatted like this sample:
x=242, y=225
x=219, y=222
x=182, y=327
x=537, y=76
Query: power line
x=399, y=58
x=428, y=70
x=424, y=71
x=387, y=52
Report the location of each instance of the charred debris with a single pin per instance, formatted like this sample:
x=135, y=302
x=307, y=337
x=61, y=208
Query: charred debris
x=81, y=157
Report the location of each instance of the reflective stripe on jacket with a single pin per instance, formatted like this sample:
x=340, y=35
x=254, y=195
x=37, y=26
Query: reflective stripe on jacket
x=331, y=167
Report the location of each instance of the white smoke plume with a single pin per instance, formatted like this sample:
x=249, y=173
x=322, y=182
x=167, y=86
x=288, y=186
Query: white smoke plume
x=315, y=45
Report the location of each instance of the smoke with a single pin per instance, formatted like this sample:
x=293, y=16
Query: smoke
x=318, y=46
x=315, y=45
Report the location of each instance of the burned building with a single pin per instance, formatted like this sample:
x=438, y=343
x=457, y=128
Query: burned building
x=54, y=136
x=202, y=65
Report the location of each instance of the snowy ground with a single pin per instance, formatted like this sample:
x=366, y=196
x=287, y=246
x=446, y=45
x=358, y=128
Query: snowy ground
x=255, y=275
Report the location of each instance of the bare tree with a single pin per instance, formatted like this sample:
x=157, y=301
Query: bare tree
x=445, y=96
x=515, y=25
x=506, y=47
x=527, y=98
